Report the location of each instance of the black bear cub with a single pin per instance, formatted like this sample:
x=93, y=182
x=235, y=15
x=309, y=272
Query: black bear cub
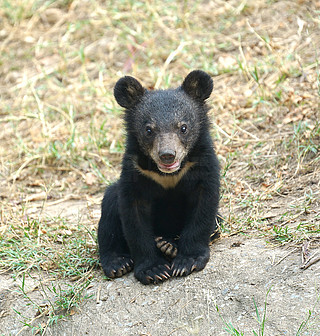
x=157, y=219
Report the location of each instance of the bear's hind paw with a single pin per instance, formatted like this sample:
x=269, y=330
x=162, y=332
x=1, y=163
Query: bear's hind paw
x=167, y=247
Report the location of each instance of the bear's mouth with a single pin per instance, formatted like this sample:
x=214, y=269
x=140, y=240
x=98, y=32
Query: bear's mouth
x=169, y=168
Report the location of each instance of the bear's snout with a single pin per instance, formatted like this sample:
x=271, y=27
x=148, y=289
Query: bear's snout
x=167, y=156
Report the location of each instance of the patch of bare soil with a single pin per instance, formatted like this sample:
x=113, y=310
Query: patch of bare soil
x=240, y=269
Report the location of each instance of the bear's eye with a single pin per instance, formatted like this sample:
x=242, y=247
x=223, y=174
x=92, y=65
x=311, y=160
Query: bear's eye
x=183, y=128
x=149, y=130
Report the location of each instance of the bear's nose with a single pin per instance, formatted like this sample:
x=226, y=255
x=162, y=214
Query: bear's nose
x=167, y=156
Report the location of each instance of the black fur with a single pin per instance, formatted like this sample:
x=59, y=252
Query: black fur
x=147, y=203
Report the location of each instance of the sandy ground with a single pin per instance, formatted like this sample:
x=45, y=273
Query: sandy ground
x=239, y=270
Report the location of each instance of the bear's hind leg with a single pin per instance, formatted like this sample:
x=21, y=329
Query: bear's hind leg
x=114, y=253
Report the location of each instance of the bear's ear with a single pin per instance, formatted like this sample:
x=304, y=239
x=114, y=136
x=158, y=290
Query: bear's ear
x=198, y=85
x=128, y=91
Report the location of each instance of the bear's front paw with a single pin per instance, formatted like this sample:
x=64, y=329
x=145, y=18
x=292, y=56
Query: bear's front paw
x=153, y=272
x=117, y=265
x=184, y=265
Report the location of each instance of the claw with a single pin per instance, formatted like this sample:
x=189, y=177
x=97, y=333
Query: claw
x=119, y=272
x=194, y=267
x=163, y=276
x=164, y=247
x=167, y=274
x=157, y=277
x=169, y=249
x=174, y=253
x=183, y=271
x=149, y=278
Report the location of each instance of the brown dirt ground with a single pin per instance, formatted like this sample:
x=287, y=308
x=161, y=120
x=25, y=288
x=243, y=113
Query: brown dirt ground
x=241, y=268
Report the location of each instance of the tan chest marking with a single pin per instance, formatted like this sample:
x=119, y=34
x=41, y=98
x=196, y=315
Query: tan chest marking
x=166, y=181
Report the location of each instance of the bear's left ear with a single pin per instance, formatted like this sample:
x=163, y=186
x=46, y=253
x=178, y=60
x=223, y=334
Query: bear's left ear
x=128, y=91
x=198, y=85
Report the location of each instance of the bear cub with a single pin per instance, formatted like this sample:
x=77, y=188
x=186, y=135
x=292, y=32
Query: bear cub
x=157, y=219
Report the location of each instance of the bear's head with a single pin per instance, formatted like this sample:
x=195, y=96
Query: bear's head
x=166, y=123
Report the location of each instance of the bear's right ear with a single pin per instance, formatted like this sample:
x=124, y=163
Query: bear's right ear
x=198, y=85
x=128, y=91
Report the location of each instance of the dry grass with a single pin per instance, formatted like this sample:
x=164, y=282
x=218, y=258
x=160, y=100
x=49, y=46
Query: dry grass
x=61, y=130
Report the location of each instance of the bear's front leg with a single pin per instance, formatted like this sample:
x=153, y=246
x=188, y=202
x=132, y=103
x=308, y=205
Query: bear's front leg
x=193, y=246
x=150, y=266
